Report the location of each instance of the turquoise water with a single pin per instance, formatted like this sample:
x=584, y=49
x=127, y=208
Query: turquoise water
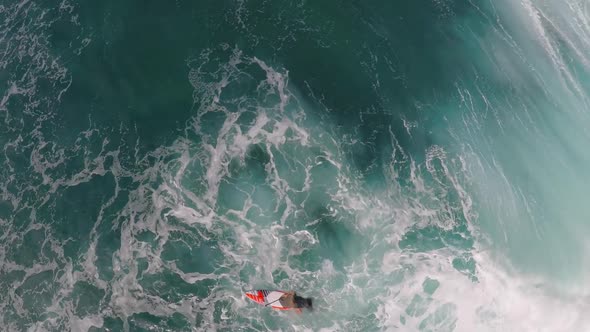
x=411, y=165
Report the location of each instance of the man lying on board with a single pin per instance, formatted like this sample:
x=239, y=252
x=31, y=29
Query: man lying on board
x=292, y=300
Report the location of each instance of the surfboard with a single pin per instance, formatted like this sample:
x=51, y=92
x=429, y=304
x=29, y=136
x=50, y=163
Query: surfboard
x=269, y=298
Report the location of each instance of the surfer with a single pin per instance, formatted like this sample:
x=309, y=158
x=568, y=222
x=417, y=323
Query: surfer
x=280, y=300
x=292, y=300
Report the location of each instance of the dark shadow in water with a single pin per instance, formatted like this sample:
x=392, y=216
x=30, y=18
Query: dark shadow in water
x=337, y=242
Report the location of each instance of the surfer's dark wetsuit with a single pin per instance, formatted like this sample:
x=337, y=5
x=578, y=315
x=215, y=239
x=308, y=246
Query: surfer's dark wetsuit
x=302, y=302
x=292, y=300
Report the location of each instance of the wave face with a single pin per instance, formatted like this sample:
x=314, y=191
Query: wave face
x=411, y=165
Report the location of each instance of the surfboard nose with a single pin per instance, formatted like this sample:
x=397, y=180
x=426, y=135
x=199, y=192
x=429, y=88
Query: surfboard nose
x=252, y=296
x=256, y=296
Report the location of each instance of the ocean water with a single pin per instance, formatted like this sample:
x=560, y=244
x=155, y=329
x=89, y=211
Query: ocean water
x=411, y=165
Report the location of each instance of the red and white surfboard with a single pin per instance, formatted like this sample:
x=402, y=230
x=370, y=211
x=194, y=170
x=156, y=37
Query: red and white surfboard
x=268, y=298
